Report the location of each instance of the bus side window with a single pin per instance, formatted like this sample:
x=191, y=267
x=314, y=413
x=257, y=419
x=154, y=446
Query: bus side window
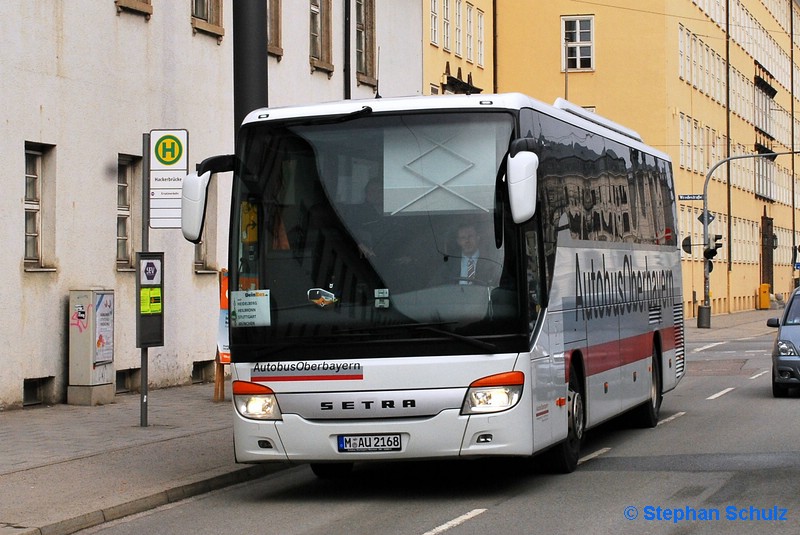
x=534, y=271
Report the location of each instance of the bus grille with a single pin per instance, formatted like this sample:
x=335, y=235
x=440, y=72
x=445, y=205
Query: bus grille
x=680, y=350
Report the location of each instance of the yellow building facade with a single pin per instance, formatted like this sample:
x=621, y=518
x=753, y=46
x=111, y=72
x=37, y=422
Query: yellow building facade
x=458, y=46
x=669, y=70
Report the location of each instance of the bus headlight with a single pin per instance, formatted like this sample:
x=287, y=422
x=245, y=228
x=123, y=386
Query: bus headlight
x=254, y=401
x=494, y=393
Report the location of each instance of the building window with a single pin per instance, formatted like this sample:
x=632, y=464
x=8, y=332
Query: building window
x=320, y=36
x=274, y=41
x=435, y=22
x=446, y=24
x=577, y=33
x=459, y=28
x=681, y=53
x=480, y=38
x=33, y=206
x=207, y=17
x=127, y=171
x=39, y=206
x=469, y=32
x=200, y=256
x=365, y=42
x=764, y=104
x=765, y=174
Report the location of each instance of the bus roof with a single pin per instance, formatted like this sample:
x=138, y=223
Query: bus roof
x=561, y=110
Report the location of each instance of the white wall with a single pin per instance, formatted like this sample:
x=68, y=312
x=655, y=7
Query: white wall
x=90, y=81
x=398, y=35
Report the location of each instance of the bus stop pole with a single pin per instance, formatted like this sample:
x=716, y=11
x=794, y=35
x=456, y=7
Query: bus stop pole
x=145, y=248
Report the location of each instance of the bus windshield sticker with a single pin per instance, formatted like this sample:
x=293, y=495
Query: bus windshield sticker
x=321, y=298
x=381, y=297
x=250, y=308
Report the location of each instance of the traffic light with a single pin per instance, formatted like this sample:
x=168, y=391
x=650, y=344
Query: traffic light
x=711, y=251
x=686, y=245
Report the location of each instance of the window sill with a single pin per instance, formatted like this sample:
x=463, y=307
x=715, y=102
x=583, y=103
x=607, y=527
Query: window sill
x=135, y=6
x=199, y=25
x=275, y=51
x=363, y=79
x=205, y=271
x=40, y=269
x=319, y=65
x=126, y=269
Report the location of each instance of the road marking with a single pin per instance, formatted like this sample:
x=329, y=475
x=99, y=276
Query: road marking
x=756, y=351
x=721, y=393
x=455, y=522
x=673, y=417
x=708, y=346
x=756, y=376
x=754, y=337
x=593, y=455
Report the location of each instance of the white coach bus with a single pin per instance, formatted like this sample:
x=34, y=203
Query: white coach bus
x=443, y=277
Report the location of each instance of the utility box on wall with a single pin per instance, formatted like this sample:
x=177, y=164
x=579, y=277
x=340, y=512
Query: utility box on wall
x=91, y=347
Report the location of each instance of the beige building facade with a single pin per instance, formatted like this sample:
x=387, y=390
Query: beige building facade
x=458, y=46
x=671, y=71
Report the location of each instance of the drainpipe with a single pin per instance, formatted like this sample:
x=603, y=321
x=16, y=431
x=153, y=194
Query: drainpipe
x=347, y=50
x=494, y=46
x=794, y=256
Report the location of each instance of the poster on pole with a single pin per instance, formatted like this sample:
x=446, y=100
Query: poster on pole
x=223, y=344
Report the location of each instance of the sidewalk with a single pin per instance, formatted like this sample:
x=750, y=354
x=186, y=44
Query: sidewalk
x=65, y=468
x=732, y=326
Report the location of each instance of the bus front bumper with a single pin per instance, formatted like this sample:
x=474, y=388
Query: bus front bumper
x=446, y=435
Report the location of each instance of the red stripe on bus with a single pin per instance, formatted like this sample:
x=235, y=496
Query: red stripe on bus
x=275, y=378
x=610, y=355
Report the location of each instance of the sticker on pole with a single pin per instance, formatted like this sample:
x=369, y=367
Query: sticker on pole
x=150, y=272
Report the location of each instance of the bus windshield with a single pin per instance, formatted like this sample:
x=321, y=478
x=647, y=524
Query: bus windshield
x=375, y=235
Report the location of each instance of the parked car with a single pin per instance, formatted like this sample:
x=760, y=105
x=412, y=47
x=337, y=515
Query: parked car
x=785, y=354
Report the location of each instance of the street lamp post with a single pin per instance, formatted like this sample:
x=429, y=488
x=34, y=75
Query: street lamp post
x=704, y=310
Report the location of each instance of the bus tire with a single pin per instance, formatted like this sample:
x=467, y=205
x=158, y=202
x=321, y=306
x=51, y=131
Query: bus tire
x=563, y=458
x=331, y=470
x=646, y=414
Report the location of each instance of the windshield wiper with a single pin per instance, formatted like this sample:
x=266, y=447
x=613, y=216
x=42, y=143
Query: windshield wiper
x=460, y=337
x=432, y=327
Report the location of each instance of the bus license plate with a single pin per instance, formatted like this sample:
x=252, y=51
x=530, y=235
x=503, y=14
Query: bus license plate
x=351, y=443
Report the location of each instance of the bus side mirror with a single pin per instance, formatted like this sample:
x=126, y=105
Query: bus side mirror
x=521, y=173
x=194, y=194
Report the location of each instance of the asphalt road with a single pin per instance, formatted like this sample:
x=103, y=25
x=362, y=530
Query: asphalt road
x=725, y=458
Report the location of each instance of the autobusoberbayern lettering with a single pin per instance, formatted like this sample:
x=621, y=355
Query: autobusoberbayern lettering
x=601, y=292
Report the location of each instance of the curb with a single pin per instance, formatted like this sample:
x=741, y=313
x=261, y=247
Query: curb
x=147, y=503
